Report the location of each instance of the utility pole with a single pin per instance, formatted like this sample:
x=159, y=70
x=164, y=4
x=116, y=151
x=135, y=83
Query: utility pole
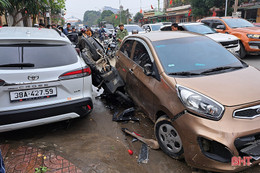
x=226, y=8
x=235, y=6
x=120, y=10
x=158, y=5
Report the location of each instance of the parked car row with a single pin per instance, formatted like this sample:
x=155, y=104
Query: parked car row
x=204, y=101
x=230, y=42
x=247, y=33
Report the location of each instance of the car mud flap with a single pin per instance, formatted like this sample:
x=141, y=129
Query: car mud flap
x=112, y=81
x=126, y=115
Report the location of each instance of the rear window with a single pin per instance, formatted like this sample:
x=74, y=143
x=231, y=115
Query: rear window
x=42, y=56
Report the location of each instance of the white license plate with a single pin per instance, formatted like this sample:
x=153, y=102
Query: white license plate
x=33, y=94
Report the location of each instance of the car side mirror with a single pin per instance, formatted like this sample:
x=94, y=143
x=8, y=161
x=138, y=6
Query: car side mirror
x=148, y=30
x=222, y=27
x=148, y=69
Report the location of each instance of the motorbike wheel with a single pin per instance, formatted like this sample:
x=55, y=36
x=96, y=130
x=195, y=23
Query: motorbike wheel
x=92, y=49
x=96, y=44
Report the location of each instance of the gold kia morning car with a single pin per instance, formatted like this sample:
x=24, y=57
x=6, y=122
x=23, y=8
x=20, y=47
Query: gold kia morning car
x=204, y=101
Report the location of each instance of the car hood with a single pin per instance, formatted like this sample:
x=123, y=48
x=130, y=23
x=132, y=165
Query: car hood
x=230, y=88
x=221, y=37
x=253, y=30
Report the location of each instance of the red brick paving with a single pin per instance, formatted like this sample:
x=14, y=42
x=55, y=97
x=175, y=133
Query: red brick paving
x=25, y=159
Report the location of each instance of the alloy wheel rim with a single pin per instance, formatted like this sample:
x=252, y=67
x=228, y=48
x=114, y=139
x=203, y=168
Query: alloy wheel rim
x=170, y=138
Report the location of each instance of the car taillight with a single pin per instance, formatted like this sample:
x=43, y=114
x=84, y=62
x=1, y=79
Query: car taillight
x=78, y=73
x=2, y=82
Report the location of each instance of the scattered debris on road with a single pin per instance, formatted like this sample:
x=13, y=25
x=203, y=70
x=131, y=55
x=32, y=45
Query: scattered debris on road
x=126, y=115
x=144, y=154
x=150, y=142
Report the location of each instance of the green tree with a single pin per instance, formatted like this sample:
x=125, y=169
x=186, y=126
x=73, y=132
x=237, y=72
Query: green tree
x=138, y=16
x=29, y=7
x=90, y=17
x=201, y=8
x=106, y=13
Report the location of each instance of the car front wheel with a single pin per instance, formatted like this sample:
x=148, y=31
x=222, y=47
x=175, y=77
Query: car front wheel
x=168, y=138
x=242, y=51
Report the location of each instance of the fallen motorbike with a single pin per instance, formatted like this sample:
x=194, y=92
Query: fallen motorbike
x=104, y=74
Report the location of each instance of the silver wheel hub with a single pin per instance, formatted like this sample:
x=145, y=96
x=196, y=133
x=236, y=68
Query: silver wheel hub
x=170, y=138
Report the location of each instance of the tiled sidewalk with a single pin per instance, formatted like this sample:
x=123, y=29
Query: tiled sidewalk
x=25, y=159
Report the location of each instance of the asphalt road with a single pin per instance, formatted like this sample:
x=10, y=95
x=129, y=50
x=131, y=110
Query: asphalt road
x=97, y=144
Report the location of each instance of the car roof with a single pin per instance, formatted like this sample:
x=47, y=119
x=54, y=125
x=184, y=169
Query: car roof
x=165, y=35
x=35, y=35
x=191, y=23
x=154, y=24
x=132, y=25
x=226, y=17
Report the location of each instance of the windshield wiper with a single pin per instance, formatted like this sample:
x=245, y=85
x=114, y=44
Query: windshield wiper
x=18, y=65
x=184, y=73
x=220, y=69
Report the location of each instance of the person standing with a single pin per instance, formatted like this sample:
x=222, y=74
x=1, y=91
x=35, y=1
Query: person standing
x=66, y=30
x=121, y=34
x=101, y=32
x=89, y=33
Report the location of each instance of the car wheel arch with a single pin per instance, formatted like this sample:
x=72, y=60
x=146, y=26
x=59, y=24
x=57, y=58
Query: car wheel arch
x=162, y=121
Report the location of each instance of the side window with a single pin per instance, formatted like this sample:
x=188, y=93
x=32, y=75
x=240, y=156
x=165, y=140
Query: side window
x=127, y=48
x=207, y=22
x=141, y=56
x=216, y=23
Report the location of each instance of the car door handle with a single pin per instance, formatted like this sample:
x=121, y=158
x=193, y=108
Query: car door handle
x=131, y=71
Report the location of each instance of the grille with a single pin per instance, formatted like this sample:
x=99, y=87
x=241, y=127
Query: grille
x=247, y=113
x=230, y=44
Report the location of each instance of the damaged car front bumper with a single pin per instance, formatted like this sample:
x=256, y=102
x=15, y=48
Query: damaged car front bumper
x=218, y=145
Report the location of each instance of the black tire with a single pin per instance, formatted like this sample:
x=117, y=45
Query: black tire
x=92, y=49
x=165, y=130
x=242, y=51
x=96, y=44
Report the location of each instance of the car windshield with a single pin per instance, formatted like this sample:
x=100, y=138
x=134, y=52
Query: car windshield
x=193, y=54
x=156, y=27
x=238, y=23
x=201, y=29
x=130, y=28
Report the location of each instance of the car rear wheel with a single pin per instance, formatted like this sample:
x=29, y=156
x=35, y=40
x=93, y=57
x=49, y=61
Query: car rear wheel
x=242, y=51
x=168, y=138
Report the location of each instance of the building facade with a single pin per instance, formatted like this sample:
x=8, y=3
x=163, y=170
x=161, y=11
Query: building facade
x=250, y=11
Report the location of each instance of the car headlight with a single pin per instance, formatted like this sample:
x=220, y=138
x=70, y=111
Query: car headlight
x=200, y=104
x=255, y=36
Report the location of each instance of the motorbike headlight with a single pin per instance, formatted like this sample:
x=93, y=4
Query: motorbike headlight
x=255, y=36
x=200, y=104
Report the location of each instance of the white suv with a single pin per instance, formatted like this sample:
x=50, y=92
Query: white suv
x=230, y=42
x=42, y=79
